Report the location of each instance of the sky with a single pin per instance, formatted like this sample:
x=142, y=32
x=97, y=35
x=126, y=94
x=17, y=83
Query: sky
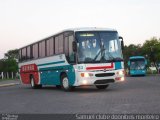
x=25, y=21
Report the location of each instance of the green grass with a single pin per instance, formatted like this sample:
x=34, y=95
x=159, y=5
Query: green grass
x=6, y=79
x=152, y=72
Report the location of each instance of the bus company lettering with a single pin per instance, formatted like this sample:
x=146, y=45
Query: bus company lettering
x=30, y=67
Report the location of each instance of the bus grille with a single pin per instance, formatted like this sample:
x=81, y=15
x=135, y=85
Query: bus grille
x=104, y=74
x=105, y=81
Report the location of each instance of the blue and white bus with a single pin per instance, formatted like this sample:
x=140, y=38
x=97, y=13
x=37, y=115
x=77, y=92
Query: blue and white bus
x=74, y=57
x=137, y=65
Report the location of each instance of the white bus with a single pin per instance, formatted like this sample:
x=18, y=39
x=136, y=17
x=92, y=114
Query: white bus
x=74, y=57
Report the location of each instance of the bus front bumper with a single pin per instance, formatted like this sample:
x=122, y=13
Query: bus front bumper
x=137, y=72
x=99, y=78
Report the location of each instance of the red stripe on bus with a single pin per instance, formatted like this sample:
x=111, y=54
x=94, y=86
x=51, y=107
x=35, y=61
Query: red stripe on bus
x=100, y=67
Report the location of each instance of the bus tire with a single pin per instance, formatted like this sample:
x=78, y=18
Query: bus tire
x=58, y=86
x=65, y=83
x=33, y=85
x=101, y=86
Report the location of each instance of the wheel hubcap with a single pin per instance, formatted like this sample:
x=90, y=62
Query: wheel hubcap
x=32, y=83
x=65, y=83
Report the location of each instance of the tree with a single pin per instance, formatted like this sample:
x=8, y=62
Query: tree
x=12, y=54
x=2, y=65
x=9, y=64
x=131, y=50
x=151, y=49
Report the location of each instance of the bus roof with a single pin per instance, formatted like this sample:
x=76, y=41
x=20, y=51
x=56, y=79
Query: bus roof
x=74, y=30
x=136, y=57
x=90, y=29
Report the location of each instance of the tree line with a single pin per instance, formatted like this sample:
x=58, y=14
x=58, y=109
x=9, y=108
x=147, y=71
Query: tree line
x=150, y=49
x=9, y=64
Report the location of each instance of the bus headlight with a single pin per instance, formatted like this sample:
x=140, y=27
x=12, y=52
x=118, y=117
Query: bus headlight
x=86, y=74
x=120, y=73
x=84, y=82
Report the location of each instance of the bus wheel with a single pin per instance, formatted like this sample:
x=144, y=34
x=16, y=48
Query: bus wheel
x=33, y=85
x=101, y=86
x=65, y=83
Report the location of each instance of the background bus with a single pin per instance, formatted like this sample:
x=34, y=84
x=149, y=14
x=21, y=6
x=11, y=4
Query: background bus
x=73, y=57
x=137, y=65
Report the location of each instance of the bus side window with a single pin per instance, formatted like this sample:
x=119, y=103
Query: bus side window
x=60, y=43
x=47, y=47
x=66, y=47
x=28, y=52
x=56, y=45
x=42, y=49
x=20, y=55
x=24, y=52
x=71, y=53
x=50, y=46
x=35, y=51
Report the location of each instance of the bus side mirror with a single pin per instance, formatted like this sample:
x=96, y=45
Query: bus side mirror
x=122, y=43
x=74, y=46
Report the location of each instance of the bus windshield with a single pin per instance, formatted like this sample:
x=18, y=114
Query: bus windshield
x=98, y=46
x=137, y=64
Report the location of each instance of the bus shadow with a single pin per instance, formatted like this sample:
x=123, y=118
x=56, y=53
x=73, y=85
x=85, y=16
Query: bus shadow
x=92, y=90
x=137, y=76
x=82, y=89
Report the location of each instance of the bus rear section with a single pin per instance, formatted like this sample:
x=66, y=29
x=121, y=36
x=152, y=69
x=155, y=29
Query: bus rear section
x=73, y=58
x=137, y=66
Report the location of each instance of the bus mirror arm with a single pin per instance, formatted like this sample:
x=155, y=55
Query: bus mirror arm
x=74, y=46
x=122, y=43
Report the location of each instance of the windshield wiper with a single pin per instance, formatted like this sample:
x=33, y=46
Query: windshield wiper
x=110, y=57
x=100, y=50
